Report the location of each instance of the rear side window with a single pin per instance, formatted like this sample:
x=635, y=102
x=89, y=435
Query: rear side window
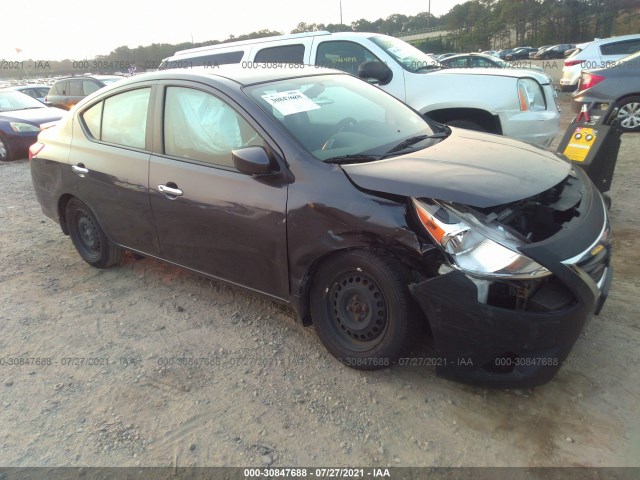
x=218, y=59
x=620, y=48
x=61, y=88
x=213, y=60
x=282, y=54
x=75, y=88
x=120, y=119
x=92, y=119
x=345, y=56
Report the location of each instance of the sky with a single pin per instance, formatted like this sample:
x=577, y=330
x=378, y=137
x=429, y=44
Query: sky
x=78, y=29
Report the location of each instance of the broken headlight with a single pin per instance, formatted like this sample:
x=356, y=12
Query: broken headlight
x=476, y=248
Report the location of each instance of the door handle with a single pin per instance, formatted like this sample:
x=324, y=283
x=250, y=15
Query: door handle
x=80, y=169
x=176, y=192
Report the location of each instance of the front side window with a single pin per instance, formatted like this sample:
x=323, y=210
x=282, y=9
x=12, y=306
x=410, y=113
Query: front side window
x=345, y=56
x=88, y=87
x=334, y=116
x=200, y=126
x=120, y=119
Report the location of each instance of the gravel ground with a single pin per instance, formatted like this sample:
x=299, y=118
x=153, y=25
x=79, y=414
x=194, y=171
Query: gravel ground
x=270, y=394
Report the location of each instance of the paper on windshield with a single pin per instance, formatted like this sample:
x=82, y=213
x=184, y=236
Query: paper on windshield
x=288, y=103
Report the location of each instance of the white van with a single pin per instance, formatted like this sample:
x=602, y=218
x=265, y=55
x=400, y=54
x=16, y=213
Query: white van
x=600, y=53
x=512, y=102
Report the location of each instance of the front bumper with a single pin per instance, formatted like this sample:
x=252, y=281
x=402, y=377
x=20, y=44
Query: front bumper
x=539, y=128
x=491, y=346
x=484, y=344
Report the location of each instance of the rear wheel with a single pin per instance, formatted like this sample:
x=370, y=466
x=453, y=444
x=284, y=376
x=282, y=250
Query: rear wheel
x=361, y=308
x=89, y=238
x=629, y=114
x=5, y=149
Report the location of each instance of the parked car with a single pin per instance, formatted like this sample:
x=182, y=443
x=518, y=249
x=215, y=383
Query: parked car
x=597, y=54
x=619, y=85
x=66, y=92
x=479, y=60
x=540, y=49
x=503, y=53
x=325, y=193
x=520, y=53
x=553, y=52
x=36, y=91
x=20, y=120
x=442, y=56
x=493, y=53
x=513, y=103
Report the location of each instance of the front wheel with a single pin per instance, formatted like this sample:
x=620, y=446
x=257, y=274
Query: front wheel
x=88, y=237
x=361, y=308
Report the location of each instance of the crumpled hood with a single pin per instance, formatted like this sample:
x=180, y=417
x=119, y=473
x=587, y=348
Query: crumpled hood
x=472, y=168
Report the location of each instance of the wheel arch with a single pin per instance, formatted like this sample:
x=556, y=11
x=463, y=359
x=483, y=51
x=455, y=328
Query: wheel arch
x=301, y=298
x=62, y=211
x=482, y=117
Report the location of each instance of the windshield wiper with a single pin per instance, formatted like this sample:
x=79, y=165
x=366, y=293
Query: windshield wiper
x=355, y=158
x=413, y=140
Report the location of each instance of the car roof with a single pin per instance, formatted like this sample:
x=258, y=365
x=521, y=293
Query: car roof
x=236, y=73
x=95, y=77
x=197, y=51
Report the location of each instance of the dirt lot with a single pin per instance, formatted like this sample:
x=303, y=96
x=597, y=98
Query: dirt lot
x=271, y=394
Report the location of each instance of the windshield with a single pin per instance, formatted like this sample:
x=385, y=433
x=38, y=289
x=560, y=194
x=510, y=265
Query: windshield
x=17, y=101
x=408, y=56
x=339, y=117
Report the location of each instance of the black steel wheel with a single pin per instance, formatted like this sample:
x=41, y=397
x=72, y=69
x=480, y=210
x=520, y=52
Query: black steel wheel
x=361, y=308
x=88, y=237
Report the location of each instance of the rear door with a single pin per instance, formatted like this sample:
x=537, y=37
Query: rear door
x=109, y=165
x=209, y=216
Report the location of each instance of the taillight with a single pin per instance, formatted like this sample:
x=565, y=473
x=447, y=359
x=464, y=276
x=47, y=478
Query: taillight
x=571, y=63
x=35, y=149
x=589, y=80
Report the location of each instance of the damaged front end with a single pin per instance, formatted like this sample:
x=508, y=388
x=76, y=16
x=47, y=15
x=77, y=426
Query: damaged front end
x=515, y=283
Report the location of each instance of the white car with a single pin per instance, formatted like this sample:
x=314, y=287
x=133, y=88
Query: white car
x=600, y=53
x=515, y=103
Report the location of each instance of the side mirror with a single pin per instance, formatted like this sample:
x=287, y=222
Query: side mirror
x=375, y=70
x=252, y=161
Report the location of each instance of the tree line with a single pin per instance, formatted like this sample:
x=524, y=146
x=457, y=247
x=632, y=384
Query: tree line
x=473, y=25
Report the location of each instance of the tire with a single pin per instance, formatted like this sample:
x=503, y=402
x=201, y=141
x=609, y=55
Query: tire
x=5, y=149
x=629, y=114
x=466, y=124
x=362, y=309
x=88, y=237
